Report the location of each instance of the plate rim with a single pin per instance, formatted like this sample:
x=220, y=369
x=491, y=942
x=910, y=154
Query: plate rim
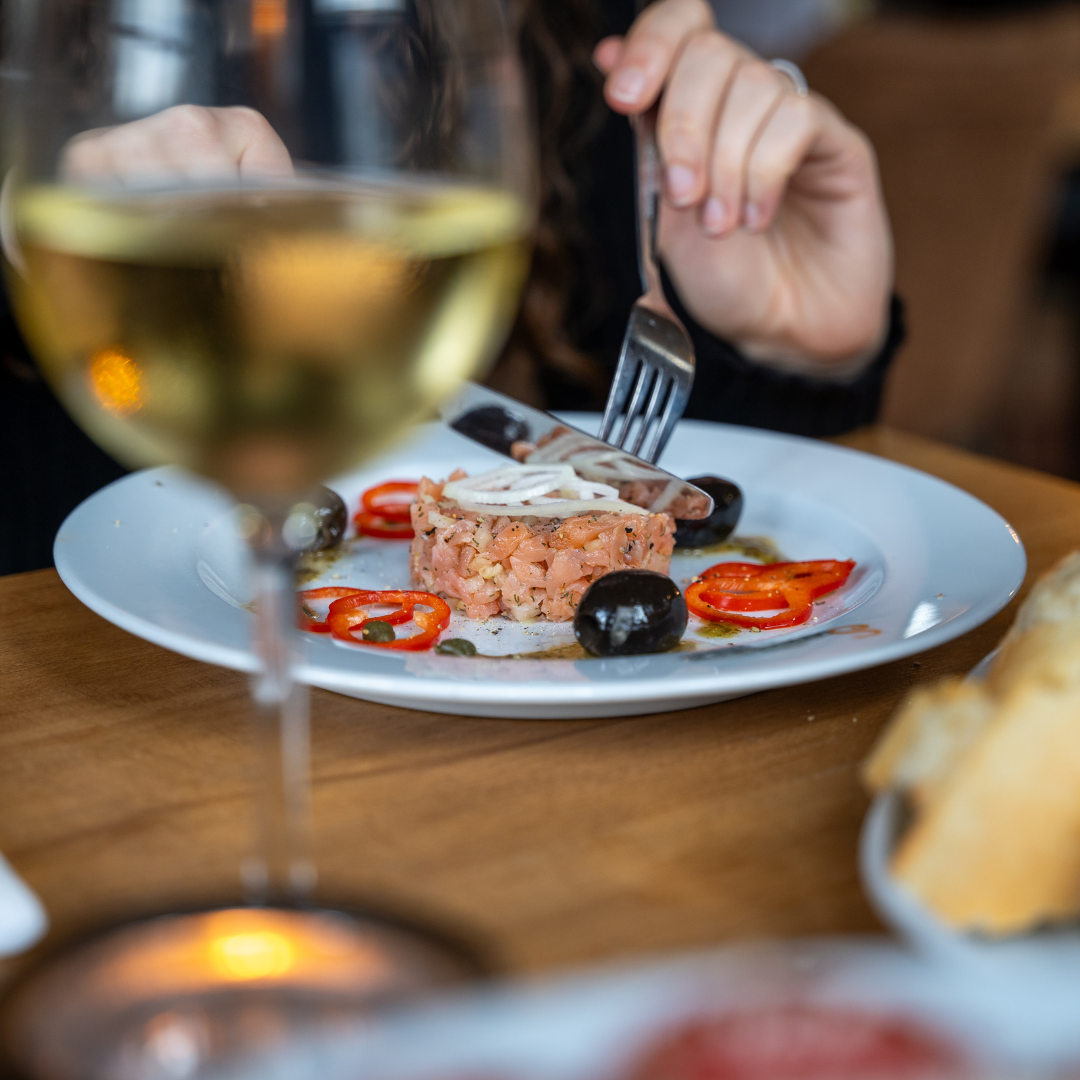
x=433, y=689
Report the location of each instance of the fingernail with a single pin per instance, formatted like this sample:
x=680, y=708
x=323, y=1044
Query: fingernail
x=751, y=218
x=680, y=183
x=627, y=85
x=713, y=216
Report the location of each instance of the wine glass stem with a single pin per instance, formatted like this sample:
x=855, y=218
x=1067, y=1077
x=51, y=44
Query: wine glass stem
x=282, y=871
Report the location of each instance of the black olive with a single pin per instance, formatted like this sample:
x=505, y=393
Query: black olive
x=317, y=523
x=376, y=630
x=331, y=518
x=495, y=427
x=630, y=612
x=719, y=525
x=456, y=646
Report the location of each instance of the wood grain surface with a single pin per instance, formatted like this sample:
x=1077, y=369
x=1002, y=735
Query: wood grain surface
x=123, y=783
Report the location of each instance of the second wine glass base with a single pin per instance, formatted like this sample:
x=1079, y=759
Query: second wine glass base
x=170, y=997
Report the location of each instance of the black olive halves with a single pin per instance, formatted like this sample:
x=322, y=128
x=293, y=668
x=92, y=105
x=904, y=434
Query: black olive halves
x=719, y=525
x=630, y=612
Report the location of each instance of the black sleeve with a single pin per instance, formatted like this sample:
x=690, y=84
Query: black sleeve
x=732, y=389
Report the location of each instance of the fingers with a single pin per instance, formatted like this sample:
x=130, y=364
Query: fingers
x=755, y=93
x=86, y=158
x=719, y=100
x=689, y=113
x=790, y=134
x=257, y=146
x=606, y=54
x=186, y=143
x=649, y=52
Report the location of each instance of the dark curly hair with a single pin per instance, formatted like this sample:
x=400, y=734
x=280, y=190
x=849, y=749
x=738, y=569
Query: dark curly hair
x=556, y=39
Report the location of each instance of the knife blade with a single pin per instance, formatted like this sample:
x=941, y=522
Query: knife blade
x=533, y=436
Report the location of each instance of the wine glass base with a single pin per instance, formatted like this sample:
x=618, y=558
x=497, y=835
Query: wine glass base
x=169, y=997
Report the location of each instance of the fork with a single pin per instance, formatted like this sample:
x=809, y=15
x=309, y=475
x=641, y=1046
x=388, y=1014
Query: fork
x=656, y=366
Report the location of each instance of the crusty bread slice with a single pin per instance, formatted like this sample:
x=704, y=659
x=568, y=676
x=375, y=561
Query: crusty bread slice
x=1046, y=654
x=1054, y=598
x=993, y=771
x=933, y=730
x=935, y=727
x=997, y=848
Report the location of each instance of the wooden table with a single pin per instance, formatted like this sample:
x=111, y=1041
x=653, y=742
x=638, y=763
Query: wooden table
x=123, y=787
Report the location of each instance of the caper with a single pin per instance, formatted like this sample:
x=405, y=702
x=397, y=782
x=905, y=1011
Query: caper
x=456, y=646
x=377, y=630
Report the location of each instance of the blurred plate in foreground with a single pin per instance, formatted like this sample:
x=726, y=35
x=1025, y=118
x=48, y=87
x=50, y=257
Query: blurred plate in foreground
x=826, y=1010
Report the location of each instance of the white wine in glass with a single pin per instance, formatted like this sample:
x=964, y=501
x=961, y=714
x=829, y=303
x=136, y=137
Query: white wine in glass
x=266, y=339
x=259, y=239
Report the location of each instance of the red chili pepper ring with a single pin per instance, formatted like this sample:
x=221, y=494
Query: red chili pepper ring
x=385, y=510
x=349, y=614
x=787, y=589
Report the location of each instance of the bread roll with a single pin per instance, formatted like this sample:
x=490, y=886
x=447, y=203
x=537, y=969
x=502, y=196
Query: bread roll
x=1054, y=598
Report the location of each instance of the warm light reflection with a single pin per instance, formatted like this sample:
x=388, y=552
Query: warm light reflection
x=260, y=955
x=268, y=17
x=116, y=380
x=237, y=945
x=318, y=294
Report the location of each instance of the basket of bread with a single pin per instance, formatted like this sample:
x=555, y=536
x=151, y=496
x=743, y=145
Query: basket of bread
x=972, y=844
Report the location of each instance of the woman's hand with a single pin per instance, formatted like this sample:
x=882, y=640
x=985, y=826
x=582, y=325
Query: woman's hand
x=185, y=142
x=772, y=228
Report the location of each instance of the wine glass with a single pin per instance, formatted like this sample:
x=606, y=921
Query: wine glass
x=259, y=239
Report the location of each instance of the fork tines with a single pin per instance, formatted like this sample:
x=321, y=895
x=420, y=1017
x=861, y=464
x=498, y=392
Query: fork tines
x=652, y=384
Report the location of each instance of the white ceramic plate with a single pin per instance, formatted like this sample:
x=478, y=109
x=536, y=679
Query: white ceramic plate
x=156, y=554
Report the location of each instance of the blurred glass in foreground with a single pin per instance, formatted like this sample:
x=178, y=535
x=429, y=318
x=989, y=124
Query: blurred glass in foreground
x=259, y=239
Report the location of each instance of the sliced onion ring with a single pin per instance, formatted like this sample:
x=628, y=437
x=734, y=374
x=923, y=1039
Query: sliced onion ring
x=511, y=484
x=582, y=453
x=555, y=508
x=521, y=485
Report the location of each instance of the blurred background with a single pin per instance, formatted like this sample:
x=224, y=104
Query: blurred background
x=974, y=108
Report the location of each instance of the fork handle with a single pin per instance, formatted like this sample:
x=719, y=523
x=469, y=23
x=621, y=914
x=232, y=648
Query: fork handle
x=647, y=184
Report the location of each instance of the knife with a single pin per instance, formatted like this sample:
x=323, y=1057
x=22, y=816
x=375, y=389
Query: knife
x=532, y=436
